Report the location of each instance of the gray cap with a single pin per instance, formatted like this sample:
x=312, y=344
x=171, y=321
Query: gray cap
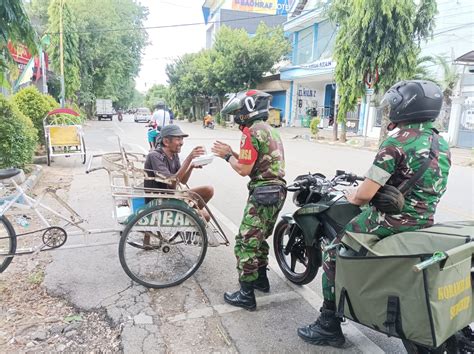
x=172, y=130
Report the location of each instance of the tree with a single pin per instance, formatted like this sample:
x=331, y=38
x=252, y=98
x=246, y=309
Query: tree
x=449, y=79
x=16, y=28
x=236, y=62
x=72, y=79
x=156, y=94
x=376, y=35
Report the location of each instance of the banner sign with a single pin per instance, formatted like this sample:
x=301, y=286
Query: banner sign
x=270, y=7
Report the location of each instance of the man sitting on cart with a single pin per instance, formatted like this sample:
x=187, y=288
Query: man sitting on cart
x=164, y=160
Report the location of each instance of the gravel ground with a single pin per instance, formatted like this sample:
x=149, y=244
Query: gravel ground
x=33, y=321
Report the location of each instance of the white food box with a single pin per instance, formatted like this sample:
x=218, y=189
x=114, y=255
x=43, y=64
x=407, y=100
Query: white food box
x=203, y=160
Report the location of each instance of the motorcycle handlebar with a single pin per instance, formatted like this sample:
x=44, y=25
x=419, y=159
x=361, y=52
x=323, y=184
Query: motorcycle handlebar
x=340, y=176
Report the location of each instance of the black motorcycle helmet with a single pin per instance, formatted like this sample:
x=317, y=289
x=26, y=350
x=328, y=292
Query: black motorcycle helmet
x=248, y=106
x=413, y=101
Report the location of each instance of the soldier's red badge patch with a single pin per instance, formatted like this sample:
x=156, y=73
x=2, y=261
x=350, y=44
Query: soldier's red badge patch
x=248, y=155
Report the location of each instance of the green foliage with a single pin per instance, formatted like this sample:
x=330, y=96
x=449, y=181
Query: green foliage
x=156, y=94
x=17, y=136
x=138, y=100
x=377, y=34
x=450, y=77
x=72, y=63
x=35, y=106
x=110, y=60
x=236, y=62
x=313, y=126
x=15, y=27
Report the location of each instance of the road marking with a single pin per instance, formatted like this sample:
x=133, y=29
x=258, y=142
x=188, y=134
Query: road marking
x=350, y=331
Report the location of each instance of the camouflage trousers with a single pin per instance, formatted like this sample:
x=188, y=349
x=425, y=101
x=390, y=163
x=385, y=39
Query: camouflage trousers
x=251, y=248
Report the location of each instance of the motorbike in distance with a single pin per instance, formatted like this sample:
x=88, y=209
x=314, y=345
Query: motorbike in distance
x=323, y=213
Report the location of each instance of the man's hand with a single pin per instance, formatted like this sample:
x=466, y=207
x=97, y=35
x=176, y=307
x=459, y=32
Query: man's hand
x=196, y=152
x=221, y=149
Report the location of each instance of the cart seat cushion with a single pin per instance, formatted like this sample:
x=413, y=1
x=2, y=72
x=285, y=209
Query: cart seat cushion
x=9, y=172
x=64, y=136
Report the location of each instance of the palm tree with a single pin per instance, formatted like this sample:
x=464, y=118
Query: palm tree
x=16, y=28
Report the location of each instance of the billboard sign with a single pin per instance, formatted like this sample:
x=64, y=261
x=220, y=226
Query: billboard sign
x=269, y=7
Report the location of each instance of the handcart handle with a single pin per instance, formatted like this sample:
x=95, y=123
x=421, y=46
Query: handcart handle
x=89, y=169
x=436, y=258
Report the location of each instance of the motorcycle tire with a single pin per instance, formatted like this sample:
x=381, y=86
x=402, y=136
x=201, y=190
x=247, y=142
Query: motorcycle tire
x=311, y=255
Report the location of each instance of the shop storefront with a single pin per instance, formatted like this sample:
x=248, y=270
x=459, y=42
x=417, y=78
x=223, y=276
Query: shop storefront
x=312, y=92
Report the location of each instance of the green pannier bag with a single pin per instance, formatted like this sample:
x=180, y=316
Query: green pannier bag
x=378, y=286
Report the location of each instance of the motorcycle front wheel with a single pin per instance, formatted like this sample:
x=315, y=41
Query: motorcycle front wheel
x=298, y=262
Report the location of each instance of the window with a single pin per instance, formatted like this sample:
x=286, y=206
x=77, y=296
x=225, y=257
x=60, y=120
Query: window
x=326, y=40
x=304, y=49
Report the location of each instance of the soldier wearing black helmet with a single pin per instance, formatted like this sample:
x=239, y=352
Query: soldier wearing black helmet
x=414, y=105
x=261, y=157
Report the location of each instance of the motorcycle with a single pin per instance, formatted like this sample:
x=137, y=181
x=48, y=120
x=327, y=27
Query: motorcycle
x=323, y=212
x=209, y=125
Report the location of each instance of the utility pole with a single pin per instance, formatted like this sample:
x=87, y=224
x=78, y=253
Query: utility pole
x=61, y=49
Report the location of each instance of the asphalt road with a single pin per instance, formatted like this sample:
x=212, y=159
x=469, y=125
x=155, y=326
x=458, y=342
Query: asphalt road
x=193, y=316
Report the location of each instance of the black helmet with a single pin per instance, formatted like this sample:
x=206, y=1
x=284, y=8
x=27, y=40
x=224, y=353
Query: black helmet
x=248, y=106
x=413, y=101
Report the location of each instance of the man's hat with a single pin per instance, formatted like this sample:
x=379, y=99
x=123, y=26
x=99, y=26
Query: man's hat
x=170, y=131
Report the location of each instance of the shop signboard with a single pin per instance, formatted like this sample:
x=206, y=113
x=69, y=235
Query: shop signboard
x=270, y=7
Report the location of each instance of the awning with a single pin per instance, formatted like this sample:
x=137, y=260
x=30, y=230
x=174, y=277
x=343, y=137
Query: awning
x=466, y=59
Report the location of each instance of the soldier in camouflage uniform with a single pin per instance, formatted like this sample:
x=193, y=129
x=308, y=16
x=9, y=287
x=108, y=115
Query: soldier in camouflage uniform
x=414, y=105
x=261, y=157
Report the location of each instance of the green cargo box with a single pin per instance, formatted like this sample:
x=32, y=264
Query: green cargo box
x=378, y=286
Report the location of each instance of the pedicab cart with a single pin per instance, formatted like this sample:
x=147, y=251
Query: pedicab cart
x=63, y=136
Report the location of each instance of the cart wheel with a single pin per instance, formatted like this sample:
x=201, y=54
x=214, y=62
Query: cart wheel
x=7, y=242
x=163, y=245
x=48, y=152
x=84, y=157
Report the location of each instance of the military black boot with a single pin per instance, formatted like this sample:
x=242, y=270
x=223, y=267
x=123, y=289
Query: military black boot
x=262, y=284
x=325, y=331
x=244, y=297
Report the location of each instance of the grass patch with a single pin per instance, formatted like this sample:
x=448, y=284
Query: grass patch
x=36, y=278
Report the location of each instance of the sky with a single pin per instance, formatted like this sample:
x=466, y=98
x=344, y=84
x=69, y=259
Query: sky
x=168, y=43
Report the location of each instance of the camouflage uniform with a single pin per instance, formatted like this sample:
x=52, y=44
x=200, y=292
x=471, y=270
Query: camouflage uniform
x=261, y=144
x=398, y=158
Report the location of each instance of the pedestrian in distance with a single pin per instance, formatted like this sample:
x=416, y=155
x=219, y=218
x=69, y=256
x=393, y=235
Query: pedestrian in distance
x=261, y=157
x=415, y=158
x=161, y=116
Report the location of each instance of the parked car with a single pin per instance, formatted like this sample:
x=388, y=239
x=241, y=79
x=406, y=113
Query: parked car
x=142, y=115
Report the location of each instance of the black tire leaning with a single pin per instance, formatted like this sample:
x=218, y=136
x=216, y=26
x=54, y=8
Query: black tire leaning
x=167, y=204
x=314, y=258
x=12, y=240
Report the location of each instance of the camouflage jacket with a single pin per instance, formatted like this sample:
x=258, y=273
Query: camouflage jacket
x=262, y=144
x=398, y=158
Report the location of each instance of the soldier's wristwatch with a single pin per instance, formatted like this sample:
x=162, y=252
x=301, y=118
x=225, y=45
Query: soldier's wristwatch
x=227, y=157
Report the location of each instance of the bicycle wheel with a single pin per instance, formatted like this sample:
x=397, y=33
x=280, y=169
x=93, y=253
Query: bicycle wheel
x=163, y=245
x=7, y=243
